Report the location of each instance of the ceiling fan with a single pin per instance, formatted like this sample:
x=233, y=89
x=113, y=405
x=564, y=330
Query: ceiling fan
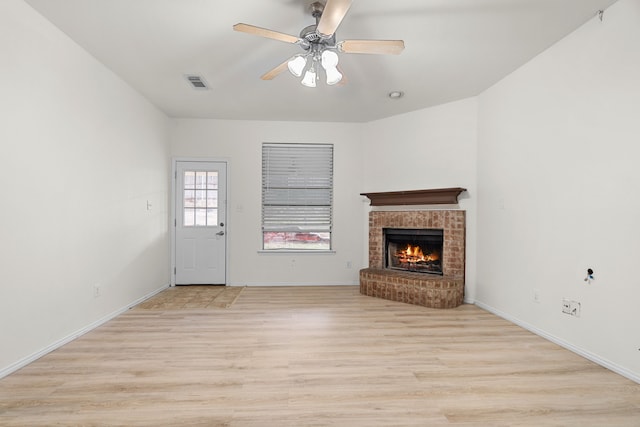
x=319, y=44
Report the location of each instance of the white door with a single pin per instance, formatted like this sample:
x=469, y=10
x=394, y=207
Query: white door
x=200, y=237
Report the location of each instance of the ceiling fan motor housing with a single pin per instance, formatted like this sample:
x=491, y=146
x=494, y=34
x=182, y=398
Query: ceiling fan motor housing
x=311, y=36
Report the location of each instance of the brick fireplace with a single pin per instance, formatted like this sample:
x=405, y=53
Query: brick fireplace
x=435, y=291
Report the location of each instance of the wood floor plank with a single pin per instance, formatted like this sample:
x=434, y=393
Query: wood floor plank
x=313, y=356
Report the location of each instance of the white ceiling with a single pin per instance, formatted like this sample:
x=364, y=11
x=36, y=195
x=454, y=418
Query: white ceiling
x=454, y=49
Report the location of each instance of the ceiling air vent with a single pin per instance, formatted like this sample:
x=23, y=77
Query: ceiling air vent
x=197, y=82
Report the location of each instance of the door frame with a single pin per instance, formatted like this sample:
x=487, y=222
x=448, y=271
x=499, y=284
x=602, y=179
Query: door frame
x=173, y=219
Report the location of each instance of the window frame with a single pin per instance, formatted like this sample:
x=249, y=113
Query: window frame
x=297, y=196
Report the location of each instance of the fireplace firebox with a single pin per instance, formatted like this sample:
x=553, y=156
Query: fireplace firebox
x=415, y=250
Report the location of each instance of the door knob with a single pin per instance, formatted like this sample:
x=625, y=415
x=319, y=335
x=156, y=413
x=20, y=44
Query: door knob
x=220, y=233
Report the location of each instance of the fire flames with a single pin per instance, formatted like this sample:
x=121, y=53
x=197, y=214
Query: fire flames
x=413, y=254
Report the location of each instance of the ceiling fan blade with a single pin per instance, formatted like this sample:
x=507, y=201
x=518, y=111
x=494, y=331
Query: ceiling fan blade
x=275, y=72
x=380, y=47
x=344, y=79
x=263, y=32
x=334, y=12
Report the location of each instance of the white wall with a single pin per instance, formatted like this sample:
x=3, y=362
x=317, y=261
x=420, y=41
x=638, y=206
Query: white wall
x=558, y=190
x=240, y=142
x=81, y=155
x=427, y=149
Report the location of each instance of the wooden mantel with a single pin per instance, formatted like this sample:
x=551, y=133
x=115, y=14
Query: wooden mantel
x=439, y=196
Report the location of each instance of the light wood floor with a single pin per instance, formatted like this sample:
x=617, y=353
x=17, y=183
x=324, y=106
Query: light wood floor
x=321, y=356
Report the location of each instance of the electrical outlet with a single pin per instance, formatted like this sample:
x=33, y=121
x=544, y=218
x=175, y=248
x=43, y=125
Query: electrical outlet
x=536, y=295
x=571, y=308
x=349, y=265
x=96, y=290
x=575, y=308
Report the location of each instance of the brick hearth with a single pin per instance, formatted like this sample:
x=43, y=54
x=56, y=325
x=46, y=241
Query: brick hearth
x=445, y=291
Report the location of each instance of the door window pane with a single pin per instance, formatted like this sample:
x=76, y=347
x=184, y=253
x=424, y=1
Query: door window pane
x=189, y=199
x=189, y=180
x=212, y=216
x=189, y=217
x=212, y=199
x=212, y=181
x=200, y=199
x=201, y=179
x=201, y=217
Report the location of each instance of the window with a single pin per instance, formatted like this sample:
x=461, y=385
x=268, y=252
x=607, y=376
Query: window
x=297, y=196
x=200, y=199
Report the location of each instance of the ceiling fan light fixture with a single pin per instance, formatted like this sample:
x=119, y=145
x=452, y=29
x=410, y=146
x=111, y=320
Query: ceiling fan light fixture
x=309, y=79
x=329, y=59
x=296, y=65
x=333, y=76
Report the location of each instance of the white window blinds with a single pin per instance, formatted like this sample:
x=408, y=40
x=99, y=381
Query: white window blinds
x=297, y=187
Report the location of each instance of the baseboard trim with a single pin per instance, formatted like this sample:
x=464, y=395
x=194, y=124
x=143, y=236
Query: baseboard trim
x=57, y=344
x=562, y=343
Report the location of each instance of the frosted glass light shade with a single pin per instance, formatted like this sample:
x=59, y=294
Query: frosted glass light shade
x=333, y=75
x=329, y=59
x=296, y=65
x=309, y=79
